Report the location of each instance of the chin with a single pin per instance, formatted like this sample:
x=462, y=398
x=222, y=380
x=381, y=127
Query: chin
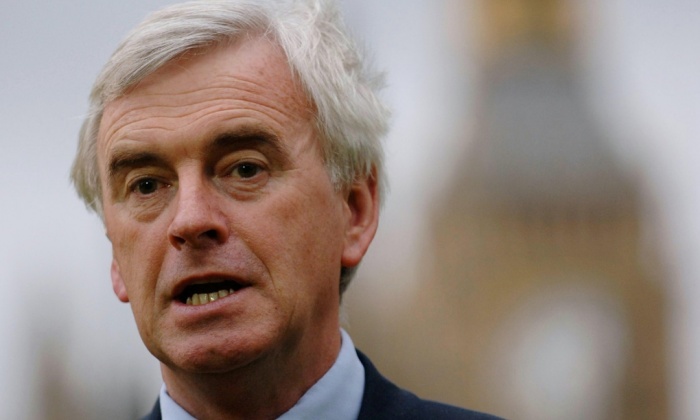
x=214, y=355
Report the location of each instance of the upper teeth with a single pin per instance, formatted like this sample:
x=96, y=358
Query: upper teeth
x=204, y=298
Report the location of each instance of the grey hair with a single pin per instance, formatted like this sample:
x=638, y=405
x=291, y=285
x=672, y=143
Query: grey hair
x=351, y=120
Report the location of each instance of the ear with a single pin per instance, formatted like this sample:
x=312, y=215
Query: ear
x=118, y=283
x=363, y=205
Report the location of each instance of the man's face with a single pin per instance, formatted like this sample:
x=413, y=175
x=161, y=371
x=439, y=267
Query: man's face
x=227, y=234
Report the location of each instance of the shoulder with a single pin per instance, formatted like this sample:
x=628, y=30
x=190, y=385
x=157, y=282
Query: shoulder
x=155, y=413
x=384, y=400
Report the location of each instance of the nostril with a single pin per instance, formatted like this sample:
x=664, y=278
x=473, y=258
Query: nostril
x=211, y=234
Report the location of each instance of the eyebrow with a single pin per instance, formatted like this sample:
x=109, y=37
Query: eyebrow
x=127, y=159
x=249, y=137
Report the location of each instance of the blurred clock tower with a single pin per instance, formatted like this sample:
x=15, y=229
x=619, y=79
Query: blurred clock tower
x=542, y=290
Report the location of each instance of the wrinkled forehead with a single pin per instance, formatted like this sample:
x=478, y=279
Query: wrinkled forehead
x=253, y=69
x=252, y=57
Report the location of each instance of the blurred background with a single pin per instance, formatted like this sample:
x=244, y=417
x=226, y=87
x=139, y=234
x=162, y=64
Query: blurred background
x=536, y=256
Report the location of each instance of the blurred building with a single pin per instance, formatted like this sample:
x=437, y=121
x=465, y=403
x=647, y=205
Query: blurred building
x=540, y=296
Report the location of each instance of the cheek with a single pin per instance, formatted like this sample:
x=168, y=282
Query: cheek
x=303, y=220
x=300, y=237
x=136, y=251
x=124, y=246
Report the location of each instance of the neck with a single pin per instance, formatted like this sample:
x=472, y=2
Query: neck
x=263, y=389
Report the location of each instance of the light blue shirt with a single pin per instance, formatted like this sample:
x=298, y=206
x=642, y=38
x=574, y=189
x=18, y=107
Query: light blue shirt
x=337, y=395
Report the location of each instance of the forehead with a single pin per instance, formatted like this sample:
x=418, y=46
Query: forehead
x=251, y=74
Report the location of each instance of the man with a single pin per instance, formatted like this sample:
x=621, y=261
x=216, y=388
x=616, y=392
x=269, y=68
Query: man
x=233, y=152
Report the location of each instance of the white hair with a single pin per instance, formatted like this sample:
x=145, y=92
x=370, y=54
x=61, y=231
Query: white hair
x=351, y=120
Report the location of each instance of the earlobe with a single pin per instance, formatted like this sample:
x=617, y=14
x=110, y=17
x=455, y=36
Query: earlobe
x=363, y=203
x=118, y=283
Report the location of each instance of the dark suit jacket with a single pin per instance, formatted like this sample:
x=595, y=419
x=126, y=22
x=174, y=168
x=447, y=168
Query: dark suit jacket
x=384, y=400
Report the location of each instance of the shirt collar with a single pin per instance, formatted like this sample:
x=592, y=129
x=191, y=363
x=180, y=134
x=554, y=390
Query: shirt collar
x=337, y=395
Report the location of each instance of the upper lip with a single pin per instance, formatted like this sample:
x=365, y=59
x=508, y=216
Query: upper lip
x=183, y=283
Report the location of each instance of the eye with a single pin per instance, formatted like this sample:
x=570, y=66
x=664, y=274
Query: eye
x=146, y=186
x=246, y=170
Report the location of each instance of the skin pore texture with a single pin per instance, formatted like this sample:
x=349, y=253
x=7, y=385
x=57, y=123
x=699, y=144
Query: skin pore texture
x=213, y=179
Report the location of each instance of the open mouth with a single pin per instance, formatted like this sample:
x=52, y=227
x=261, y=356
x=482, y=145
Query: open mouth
x=203, y=293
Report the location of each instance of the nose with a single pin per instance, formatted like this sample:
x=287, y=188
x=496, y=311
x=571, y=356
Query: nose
x=199, y=221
